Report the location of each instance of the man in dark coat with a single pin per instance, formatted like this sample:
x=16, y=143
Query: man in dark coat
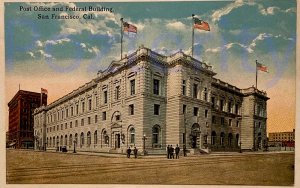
x=177, y=149
x=168, y=151
x=171, y=152
x=128, y=152
x=135, y=151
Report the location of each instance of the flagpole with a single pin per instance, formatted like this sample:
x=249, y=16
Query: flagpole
x=193, y=36
x=121, y=37
x=256, y=74
x=41, y=97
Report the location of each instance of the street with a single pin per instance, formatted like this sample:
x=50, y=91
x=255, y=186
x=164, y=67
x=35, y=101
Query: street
x=32, y=167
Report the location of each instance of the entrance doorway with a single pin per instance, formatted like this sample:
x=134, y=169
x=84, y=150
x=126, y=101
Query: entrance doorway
x=195, y=135
x=117, y=140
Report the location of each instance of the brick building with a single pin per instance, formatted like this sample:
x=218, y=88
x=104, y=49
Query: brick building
x=166, y=99
x=284, y=138
x=21, y=107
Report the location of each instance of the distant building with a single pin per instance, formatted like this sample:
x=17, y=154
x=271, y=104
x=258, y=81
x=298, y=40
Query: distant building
x=21, y=107
x=284, y=138
x=166, y=99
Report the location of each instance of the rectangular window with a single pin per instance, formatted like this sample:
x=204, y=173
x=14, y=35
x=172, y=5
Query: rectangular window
x=96, y=118
x=156, y=109
x=66, y=125
x=195, y=90
x=83, y=106
x=62, y=114
x=76, y=123
x=103, y=116
x=222, y=120
x=156, y=87
x=82, y=122
x=72, y=113
x=206, y=113
x=230, y=122
x=96, y=101
x=132, y=87
x=61, y=127
x=67, y=112
x=71, y=123
x=221, y=105
x=89, y=120
x=236, y=109
x=229, y=106
x=184, y=109
x=105, y=97
x=57, y=115
x=117, y=92
x=213, y=102
x=90, y=104
x=131, y=109
x=183, y=87
x=214, y=119
x=196, y=111
x=77, y=109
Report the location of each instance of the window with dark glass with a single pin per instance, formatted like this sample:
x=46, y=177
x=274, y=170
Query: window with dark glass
x=90, y=104
x=184, y=109
x=132, y=87
x=195, y=90
x=183, y=87
x=222, y=120
x=103, y=115
x=156, y=87
x=206, y=113
x=83, y=106
x=131, y=109
x=105, y=97
x=156, y=109
x=221, y=105
x=196, y=111
x=117, y=92
x=214, y=119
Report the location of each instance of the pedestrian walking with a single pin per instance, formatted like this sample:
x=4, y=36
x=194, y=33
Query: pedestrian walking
x=171, y=152
x=177, y=149
x=128, y=152
x=168, y=151
x=135, y=151
x=184, y=150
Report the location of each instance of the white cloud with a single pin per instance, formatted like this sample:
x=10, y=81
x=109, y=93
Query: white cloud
x=226, y=10
x=82, y=45
x=38, y=43
x=273, y=10
x=31, y=54
x=45, y=54
x=55, y=42
x=176, y=25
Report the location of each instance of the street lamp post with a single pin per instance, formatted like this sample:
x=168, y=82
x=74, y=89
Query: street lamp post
x=74, y=146
x=144, y=144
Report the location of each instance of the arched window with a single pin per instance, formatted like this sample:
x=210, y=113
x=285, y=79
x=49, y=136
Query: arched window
x=57, y=141
x=213, y=137
x=132, y=135
x=230, y=139
x=95, y=137
x=66, y=140
x=156, y=136
x=81, y=139
x=61, y=140
x=70, y=140
x=50, y=143
x=76, y=139
x=54, y=141
x=222, y=137
x=89, y=139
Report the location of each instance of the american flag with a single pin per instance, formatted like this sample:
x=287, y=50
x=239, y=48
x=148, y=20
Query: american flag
x=261, y=67
x=201, y=25
x=44, y=91
x=129, y=27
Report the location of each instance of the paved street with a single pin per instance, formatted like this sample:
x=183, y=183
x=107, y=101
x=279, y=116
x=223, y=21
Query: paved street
x=239, y=169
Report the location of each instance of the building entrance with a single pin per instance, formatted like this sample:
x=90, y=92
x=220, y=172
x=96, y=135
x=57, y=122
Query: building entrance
x=195, y=136
x=117, y=140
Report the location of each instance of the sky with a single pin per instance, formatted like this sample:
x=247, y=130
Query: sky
x=63, y=54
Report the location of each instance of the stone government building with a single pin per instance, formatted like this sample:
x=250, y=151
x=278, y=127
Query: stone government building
x=165, y=99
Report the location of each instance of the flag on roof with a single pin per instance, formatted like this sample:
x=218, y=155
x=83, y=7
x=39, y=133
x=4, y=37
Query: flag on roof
x=201, y=25
x=44, y=91
x=261, y=67
x=129, y=27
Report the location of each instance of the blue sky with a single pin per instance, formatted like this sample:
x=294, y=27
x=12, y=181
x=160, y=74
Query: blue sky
x=241, y=32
